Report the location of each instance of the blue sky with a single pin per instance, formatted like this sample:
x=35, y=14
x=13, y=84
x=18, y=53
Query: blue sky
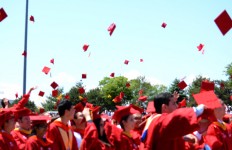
x=61, y=28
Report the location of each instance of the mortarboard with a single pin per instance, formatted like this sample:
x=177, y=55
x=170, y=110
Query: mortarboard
x=117, y=99
x=182, y=85
x=16, y=95
x=79, y=107
x=3, y=14
x=22, y=112
x=135, y=109
x=54, y=85
x=150, y=107
x=83, y=76
x=224, y=22
x=84, y=99
x=41, y=110
x=164, y=25
x=208, y=98
x=39, y=119
x=41, y=93
x=127, y=84
x=67, y=96
x=126, y=62
x=231, y=97
x=112, y=74
x=207, y=86
x=121, y=95
x=24, y=53
x=141, y=60
x=32, y=18
x=54, y=93
x=85, y=47
x=95, y=112
x=81, y=90
x=200, y=47
x=141, y=92
x=52, y=61
x=111, y=28
x=143, y=98
x=6, y=114
x=182, y=103
x=46, y=70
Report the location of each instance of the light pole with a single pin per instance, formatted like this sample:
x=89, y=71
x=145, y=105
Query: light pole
x=25, y=51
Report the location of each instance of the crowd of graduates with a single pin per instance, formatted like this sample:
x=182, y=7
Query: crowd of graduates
x=163, y=126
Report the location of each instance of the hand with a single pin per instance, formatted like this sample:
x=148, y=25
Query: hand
x=175, y=95
x=86, y=114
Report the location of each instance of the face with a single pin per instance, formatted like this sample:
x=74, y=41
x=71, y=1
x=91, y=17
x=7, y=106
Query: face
x=129, y=124
x=79, y=117
x=25, y=123
x=137, y=119
x=220, y=112
x=41, y=130
x=170, y=107
x=10, y=124
x=70, y=113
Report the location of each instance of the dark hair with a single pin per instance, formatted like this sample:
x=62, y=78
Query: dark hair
x=64, y=105
x=2, y=103
x=160, y=99
x=101, y=137
x=124, y=118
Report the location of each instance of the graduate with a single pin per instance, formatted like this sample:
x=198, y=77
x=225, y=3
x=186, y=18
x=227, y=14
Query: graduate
x=124, y=116
x=59, y=132
x=100, y=134
x=165, y=129
x=7, y=124
x=37, y=141
x=22, y=133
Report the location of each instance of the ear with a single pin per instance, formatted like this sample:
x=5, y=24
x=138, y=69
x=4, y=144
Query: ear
x=164, y=108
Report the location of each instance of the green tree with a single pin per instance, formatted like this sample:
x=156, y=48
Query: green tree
x=74, y=94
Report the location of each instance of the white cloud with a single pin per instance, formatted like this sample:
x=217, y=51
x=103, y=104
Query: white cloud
x=133, y=74
x=63, y=78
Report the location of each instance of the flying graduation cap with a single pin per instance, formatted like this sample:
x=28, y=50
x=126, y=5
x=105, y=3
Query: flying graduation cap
x=52, y=61
x=224, y=22
x=182, y=85
x=54, y=85
x=32, y=18
x=200, y=47
x=46, y=69
x=164, y=25
x=84, y=76
x=41, y=93
x=3, y=14
x=126, y=62
x=111, y=28
x=112, y=74
x=85, y=47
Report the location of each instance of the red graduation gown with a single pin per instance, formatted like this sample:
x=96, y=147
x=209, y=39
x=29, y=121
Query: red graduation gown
x=136, y=135
x=7, y=142
x=35, y=143
x=219, y=137
x=92, y=142
x=20, y=138
x=53, y=134
x=166, y=131
x=128, y=143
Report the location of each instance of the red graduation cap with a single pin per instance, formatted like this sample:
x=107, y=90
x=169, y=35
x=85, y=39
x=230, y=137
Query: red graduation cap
x=207, y=86
x=79, y=107
x=141, y=92
x=41, y=93
x=39, y=119
x=141, y=60
x=67, y=96
x=224, y=22
x=32, y=18
x=54, y=93
x=182, y=85
x=85, y=47
x=117, y=99
x=41, y=110
x=126, y=62
x=182, y=103
x=54, y=85
x=16, y=95
x=52, y=61
x=84, y=76
x=127, y=84
x=121, y=95
x=143, y=98
x=81, y=90
x=24, y=53
x=46, y=70
x=3, y=14
x=111, y=28
x=231, y=97
x=112, y=74
x=207, y=98
x=164, y=25
x=200, y=47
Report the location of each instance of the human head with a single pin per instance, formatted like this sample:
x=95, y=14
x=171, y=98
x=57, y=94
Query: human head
x=164, y=103
x=4, y=102
x=137, y=119
x=8, y=122
x=127, y=123
x=40, y=129
x=66, y=109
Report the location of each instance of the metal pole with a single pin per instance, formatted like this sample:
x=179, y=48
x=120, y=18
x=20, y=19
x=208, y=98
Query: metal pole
x=25, y=50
